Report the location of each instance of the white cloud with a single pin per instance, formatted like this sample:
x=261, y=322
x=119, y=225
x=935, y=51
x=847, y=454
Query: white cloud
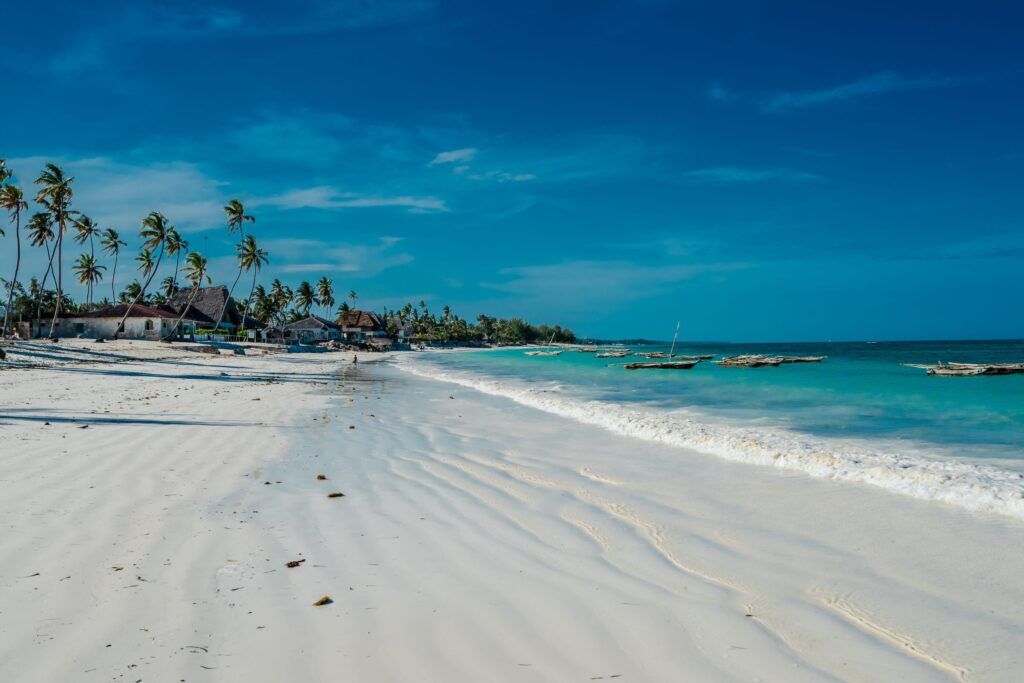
x=298, y=256
x=502, y=176
x=886, y=81
x=120, y=194
x=454, y=156
x=592, y=282
x=298, y=136
x=732, y=174
x=719, y=93
x=327, y=197
x=97, y=46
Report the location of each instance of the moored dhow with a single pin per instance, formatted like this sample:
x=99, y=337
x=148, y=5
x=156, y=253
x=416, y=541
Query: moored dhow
x=665, y=365
x=749, y=361
x=969, y=369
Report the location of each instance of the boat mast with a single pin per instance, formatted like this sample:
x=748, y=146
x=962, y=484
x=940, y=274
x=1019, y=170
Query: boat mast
x=672, y=352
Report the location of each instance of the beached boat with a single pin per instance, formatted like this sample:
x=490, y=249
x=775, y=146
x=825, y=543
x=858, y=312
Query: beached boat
x=750, y=361
x=664, y=365
x=970, y=369
x=614, y=354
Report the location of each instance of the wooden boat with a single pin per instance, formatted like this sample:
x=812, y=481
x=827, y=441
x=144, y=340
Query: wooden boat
x=665, y=365
x=703, y=357
x=750, y=361
x=970, y=369
x=614, y=354
x=676, y=362
x=548, y=351
x=802, y=359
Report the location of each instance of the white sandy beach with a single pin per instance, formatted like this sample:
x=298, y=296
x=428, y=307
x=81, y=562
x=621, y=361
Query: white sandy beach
x=477, y=540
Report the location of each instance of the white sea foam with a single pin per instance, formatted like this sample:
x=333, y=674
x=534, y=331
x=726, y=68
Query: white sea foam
x=974, y=486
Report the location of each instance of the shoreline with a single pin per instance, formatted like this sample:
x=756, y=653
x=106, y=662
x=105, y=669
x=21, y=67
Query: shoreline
x=478, y=539
x=988, y=485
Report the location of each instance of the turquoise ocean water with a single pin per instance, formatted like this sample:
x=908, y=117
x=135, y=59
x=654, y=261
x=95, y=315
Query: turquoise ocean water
x=857, y=415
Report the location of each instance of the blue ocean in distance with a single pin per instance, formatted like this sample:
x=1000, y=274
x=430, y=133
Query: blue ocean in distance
x=860, y=391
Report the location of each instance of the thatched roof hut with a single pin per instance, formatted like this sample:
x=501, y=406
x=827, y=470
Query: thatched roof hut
x=206, y=307
x=361, y=321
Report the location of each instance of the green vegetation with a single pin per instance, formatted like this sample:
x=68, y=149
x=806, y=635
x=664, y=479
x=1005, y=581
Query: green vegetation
x=161, y=242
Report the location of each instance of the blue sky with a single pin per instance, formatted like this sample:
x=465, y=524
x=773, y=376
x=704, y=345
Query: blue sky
x=762, y=171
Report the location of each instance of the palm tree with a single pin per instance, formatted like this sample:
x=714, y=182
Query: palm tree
x=130, y=292
x=89, y=272
x=169, y=285
x=352, y=297
x=325, y=293
x=154, y=238
x=86, y=229
x=13, y=200
x=280, y=297
x=237, y=217
x=176, y=246
x=111, y=243
x=56, y=194
x=40, y=231
x=195, y=272
x=146, y=261
x=251, y=257
x=304, y=297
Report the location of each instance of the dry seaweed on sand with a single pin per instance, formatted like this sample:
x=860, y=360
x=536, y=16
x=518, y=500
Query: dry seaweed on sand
x=295, y=563
x=336, y=494
x=326, y=600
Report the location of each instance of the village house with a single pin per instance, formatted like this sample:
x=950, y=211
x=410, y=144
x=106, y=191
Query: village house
x=144, y=322
x=312, y=329
x=361, y=326
x=206, y=307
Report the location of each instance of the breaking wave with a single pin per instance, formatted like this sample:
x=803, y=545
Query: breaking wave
x=979, y=487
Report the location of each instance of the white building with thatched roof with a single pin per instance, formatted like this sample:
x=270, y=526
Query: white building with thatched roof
x=143, y=322
x=312, y=329
x=361, y=325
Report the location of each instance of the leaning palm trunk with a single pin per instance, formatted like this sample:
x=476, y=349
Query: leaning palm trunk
x=142, y=292
x=224, y=307
x=92, y=255
x=42, y=287
x=60, y=275
x=17, y=265
x=113, y=279
x=248, y=301
x=177, y=323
